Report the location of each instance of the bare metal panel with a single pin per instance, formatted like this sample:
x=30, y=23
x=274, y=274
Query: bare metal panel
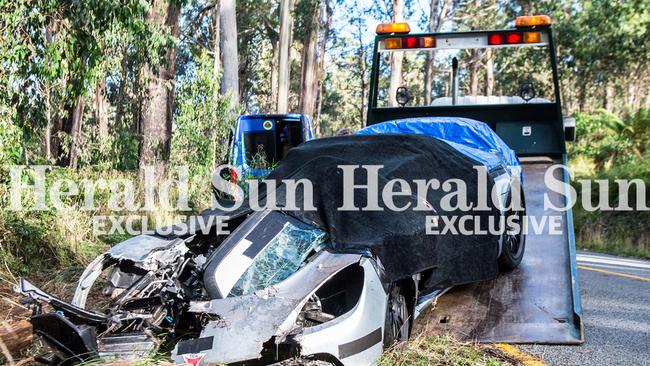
x=536, y=303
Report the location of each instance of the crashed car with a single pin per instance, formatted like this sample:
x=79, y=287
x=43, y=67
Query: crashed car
x=326, y=285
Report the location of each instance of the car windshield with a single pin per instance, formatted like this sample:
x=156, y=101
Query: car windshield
x=490, y=75
x=281, y=257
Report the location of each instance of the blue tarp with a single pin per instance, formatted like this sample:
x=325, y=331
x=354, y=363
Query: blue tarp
x=472, y=138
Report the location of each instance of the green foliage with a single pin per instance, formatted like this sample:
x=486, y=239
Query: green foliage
x=202, y=121
x=11, y=139
x=52, y=52
x=611, y=148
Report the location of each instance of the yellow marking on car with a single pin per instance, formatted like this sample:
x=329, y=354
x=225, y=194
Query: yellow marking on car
x=614, y=273
x=521, y=357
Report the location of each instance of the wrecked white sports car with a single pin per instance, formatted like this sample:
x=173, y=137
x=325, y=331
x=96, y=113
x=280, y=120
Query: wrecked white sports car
x=325, y=284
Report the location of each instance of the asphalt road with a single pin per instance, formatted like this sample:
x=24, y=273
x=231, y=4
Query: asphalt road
x=615, y=293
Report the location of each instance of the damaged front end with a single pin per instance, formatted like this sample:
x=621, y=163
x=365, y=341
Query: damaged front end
x=276, y=293
x=269, y=291
x=127, y=301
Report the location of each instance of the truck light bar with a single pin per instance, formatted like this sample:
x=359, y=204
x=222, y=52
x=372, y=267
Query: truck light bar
x=488, y=39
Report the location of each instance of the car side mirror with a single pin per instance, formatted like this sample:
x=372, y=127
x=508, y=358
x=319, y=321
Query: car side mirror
x=569, y=128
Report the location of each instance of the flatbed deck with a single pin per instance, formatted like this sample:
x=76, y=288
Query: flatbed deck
x=536, y=303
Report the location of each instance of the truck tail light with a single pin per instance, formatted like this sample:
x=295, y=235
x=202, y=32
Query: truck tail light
x=393, y=43
x=532, y=37
x=496, y=39
x=513, y=38
x=410, y=42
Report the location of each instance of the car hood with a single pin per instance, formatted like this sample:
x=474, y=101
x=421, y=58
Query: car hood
x=243, y=324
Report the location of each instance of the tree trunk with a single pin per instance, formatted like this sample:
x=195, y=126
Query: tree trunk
x=489, y=72
x=216, y=39
x=608, y=97
x=157, y=108
x=430, y=56
x=48, y=123
x=327, y=8
x=582, y=96
x=230, y=78
x=76, y=119
x=275, y=64
x=309, y=79
x=101, y=108
x=435, y=25
x=47, y=92
x=121, y=94
x=473, y=72
x=396, y=58
x=286, y=19
x=16, y=337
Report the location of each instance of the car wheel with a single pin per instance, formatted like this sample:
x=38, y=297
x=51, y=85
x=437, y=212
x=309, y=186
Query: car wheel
x=396, y=327
x=513, y=242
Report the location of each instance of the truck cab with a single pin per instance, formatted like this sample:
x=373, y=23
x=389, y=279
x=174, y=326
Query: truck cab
x=260, y=141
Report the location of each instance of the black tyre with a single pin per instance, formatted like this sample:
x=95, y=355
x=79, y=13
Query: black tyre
x=513, y=242
x=396, y=328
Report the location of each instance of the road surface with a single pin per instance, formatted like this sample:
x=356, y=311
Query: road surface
x=615, y=293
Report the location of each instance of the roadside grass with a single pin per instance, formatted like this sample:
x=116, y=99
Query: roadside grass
x=442, y=350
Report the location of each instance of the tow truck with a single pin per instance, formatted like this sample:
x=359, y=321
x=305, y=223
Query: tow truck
x=520, y=100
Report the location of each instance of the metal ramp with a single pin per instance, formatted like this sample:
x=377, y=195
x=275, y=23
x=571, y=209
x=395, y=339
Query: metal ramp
x=538, y=302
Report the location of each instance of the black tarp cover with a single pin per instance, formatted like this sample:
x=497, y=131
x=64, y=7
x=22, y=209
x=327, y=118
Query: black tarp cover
x=397, y=239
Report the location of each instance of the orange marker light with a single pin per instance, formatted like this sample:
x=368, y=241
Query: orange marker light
x=388, y=28
x=393, y=43
x=532, y=37
x=428, y=42
x=532, y=21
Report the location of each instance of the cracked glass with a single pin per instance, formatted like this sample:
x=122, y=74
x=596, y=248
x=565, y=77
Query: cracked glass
x=281, y=258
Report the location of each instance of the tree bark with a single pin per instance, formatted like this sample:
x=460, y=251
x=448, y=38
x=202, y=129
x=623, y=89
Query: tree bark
x=76, y=119
x=286, y=20
x=230, y=78
x=435, y=24
x=430, y=56
x=473, y=72
x=48, y=123
x=216, y=40
x=309, y=79
x=321, y=63
x=157, y=108
x=121, y=94
x=396, y=58
x=101, y=108
x=489, y=72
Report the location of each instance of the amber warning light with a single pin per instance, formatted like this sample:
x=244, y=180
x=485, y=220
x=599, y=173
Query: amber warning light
x=532, y=21
x=389, y=28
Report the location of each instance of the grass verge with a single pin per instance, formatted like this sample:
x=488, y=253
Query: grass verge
x=424, y=350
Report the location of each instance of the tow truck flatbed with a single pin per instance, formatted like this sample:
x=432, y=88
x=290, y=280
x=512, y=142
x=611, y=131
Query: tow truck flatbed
x=535, y=303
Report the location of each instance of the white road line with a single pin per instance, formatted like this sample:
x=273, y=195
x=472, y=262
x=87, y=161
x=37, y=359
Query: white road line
x=612, y=261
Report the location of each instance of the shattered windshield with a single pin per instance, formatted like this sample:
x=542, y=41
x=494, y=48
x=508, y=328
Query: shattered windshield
x=282, y=257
